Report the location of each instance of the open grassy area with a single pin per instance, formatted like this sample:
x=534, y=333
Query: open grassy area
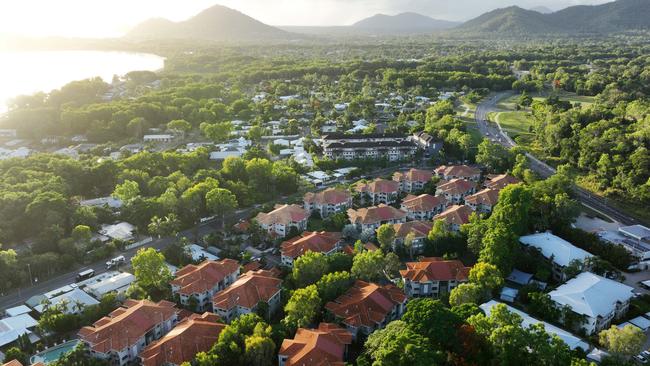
x=571, y=97
x=515, y=123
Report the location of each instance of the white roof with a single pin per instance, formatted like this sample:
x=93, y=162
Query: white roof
x=571, y=340
x=114, y=283
x=111, y=202
x=18, y=310
x=13, y=327
x=158, y=137
x=509, y=294
x=198, y=253
x=319, y=175
x=641, y=322
x=121, y=231
x=222, y=155
x=591, y=295
x=72, y=298
x=639, y=232
x=550, y=245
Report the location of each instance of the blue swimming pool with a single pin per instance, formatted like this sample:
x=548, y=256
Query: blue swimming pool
x=54, y=353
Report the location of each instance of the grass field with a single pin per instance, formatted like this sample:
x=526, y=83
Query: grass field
x=515, y=123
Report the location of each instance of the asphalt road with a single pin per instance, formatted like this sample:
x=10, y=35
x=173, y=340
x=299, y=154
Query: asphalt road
x=494, y=132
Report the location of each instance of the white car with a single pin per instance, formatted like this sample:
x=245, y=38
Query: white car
x=115, y=262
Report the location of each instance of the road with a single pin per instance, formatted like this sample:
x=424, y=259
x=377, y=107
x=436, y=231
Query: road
x=494, y=132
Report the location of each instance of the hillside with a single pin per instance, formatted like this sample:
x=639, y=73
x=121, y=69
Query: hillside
x=542, y=9
x=404, y=22
x=511, y=20
x=217, y=23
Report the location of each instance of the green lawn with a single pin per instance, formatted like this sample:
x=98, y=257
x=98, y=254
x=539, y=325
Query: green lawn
x=515, y=123
x=571, y=97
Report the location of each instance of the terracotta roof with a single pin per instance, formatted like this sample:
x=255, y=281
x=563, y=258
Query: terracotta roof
x=366, y=304
x=321, y=242
x=374, y=214
x=126, y=325
x=251, y=288
x=501, y=181
x=283, y=214
x=488, y=197
x=419, y=228
x=196, y=279
x=13, y=363
x=330, y=196
x=251, y=266
x=370, y=247
x=348, y=250
x=413, y=175
x=379, y=186
x=457, y=171
x=456, y=186
x=423, y=202
x=242, y=226
x=324, y=346
x=435, y=269
x=456, y=214
x=195, y=334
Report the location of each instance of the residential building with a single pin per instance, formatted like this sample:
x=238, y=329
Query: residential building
x=282, y=219
x=455, y=216
x=423, y=207
x=121, y=231
x=412, y=181
x=244, y=295
x=456, y=190
x=158, y=138
x=123, y=334
x=392, y=147
x=324, y=346
x=379, y=191
x=420, y=231
x=373, y=217
x=117, y=282
x=13, y=327
x=432, y=277
x=328, y=202
x=500, y=181
x=427, y=143
x=558, y=251
x=366, y=307
x=449, y=172
x=319, y=242
x=597, y=299
x=483, y=201
x=194, y=334
x=197, y=284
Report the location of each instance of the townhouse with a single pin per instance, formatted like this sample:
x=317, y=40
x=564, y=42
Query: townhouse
x=328, y=202
x=393, y=147
x=500, y=181
x=319, y=242
x=558, y=251
x=120, y=337
x=412, y=181
x=483, y=201
x=282, y=219
x=379, y=191
x=455, y=216
x=449, y=172
x=198, y=283
x=423, y=207
x=244, y=295
x=373, y=217
x=419, y=230
x=427, y=143
x=325, y=345
x=432, y=277
x=366, y=307
x=456, y=190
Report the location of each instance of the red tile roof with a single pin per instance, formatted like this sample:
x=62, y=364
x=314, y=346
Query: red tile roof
x=13, y=363
x=249, y=289
x=198, y=333
x=423, y=203
x=487, y=197
x=242, y=226
x=413, y=175
x=457, y=215
x=126, y=325
x=366, y=304
x=283, y=214
x=371, y=215
x=435, y=269
x=196, y=279
x=456, y=187
x=330, y=196
x=379, y=186
x=321, y=242
x=457, y=171
x=324, y=346
x=251, y=266
x=419, y=228
x=501, y=181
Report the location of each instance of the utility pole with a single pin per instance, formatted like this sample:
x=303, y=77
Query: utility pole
x=29, y=268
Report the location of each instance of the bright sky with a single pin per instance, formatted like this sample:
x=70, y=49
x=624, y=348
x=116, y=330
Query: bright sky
x=101, y=18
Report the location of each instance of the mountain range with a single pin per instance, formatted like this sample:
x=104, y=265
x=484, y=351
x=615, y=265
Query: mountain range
x=404, y=22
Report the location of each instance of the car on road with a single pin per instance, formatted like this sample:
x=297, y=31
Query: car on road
x=84, y=275
x=640, y=359
x=115, y=262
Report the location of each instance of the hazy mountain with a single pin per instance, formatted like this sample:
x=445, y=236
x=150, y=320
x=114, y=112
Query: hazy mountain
x=404, y=22
x=542, y=9
x=621, y=15
x=217, y=23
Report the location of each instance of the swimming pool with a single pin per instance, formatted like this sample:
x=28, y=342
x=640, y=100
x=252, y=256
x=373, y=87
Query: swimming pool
x=54, y=353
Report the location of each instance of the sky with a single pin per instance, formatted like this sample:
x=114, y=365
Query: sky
x=101, y=18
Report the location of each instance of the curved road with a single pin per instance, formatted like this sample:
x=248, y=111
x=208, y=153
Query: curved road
x=496, y=134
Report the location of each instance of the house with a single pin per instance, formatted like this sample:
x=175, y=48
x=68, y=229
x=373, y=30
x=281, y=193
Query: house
x=420, y=231
x=432, y=277
x=158, y=138
x=392, y=147
x=571, y=340
x=13, y=327
x=366, y=307
x=597, y=299
x=456, y=190
x=412, y=181
x=118, y=282
x=558, y=251
x=326, y=345
x=455, y=216
x=423, y=207
x=70, y=302
x=319, y=242
x=328, y=202
x=379, y=191
x=483, y=201
x=194, y=334
x=124, y=333
x=449, y=172
x=201, y=282
x=246, y=293
x=430, y=145
x=122, y=231
x=282, y=219
x=374, y=217
x=501, y=181
x=110, y=202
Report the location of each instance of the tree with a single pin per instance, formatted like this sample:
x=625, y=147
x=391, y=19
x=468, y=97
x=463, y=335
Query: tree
x=408, y=243
x=180, y=126
x=541, y=305
x=221, y=202
x=309, y=268
x=302, y=308
x=259, y=348
x=127, y=191
x=486, y=275
x=255, y=134
x=398, y=345
x=433, y=320
x=625, y=342
x=465, y=293
x=82, y=234
x=333, y=285
x=217, y=132
x=14, y=353
x=79, y=356
x=494, y=156
x=386, y=237
x=368, y=265
x=150, y=269
x=166, y=226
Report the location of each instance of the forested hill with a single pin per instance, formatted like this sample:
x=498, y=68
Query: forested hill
x=618, y=16
x=404, y=22
x=217, y=23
